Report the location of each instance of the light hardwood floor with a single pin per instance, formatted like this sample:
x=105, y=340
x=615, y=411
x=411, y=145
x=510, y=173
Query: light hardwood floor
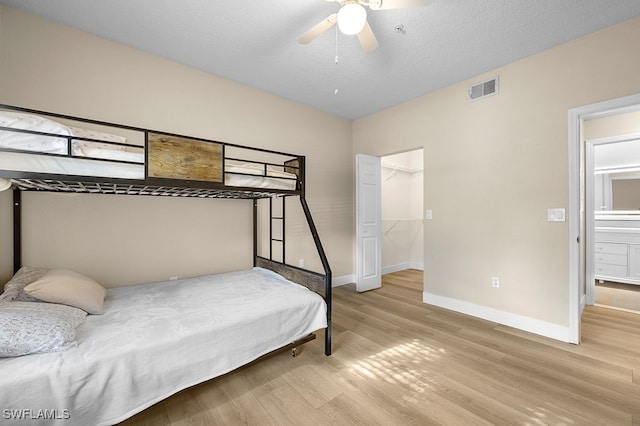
x=398, y=361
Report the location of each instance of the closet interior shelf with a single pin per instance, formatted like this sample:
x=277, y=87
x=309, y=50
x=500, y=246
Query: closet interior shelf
x=400, y=168
x=395, y=222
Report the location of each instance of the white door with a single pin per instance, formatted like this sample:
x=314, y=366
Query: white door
x=368, y=227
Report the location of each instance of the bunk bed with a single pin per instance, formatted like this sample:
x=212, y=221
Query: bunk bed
x=176, y=333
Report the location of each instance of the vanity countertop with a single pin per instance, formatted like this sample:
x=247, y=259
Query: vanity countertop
x=618, y=215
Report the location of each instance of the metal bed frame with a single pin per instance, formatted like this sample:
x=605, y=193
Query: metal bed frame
x=154, y=186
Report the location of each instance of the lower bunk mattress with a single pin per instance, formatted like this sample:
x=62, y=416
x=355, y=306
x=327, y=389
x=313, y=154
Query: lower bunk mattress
x=156, y=339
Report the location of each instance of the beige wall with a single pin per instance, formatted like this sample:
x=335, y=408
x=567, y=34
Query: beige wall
x=51, y=67
x=614, y=125
x=494, y=166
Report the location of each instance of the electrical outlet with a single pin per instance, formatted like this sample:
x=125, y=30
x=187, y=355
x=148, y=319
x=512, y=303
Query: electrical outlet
x=301, y=263
x=495, y=282
x=173, y=278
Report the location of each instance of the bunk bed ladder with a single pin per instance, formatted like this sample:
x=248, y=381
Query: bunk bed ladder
x=281, y=239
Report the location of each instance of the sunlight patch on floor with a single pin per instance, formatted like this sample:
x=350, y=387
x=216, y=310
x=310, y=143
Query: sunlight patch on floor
x=543, y=416
x=404, y=364
x=395, y=365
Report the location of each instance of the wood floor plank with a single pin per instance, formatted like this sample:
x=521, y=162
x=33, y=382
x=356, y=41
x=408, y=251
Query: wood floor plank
x=557, y=359
x=287, y=406
x=399, y=361
x=315, y=388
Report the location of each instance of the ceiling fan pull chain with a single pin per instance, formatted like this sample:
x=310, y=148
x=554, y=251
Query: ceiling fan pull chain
x=336, y=45
x=335, y=92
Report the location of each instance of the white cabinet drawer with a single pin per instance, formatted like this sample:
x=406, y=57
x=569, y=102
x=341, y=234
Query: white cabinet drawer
x=612, y=248
x=612, y=259
x=634, y=261
x=610, y=270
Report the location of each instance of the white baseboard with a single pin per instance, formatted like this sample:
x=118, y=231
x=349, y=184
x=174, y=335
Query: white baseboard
x=351, y=279
x=417, y=265
x=583, y=302
x=401, y=267
x=615, y=308
x=346, y=279
x=395, y=268
x=520, y=322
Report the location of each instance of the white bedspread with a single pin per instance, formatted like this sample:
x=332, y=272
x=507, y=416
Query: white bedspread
x=156, y=339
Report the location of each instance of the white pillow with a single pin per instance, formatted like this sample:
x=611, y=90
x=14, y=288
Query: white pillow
x=95, y=149
x=31, y=142
x=69, y=288
x=28, y=327
x=5, y=183
x=94, y=134
x=14, y=289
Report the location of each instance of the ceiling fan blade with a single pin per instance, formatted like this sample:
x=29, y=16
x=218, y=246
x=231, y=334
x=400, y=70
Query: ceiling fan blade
x=318, y=29
x=395, y=4
x=367, y=39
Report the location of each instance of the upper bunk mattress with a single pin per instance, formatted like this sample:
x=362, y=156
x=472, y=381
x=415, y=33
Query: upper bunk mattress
x=156, y=339
x=75, y=166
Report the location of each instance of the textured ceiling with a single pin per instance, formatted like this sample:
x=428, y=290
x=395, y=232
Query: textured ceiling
x=254, y=41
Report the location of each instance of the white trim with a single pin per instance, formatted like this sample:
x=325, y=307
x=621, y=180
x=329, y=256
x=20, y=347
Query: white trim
x=576, y=116
x=575, y=141
x=417, y=265
x=345, y=279
x=583, y=303
x=521, y=322
x=402, y=267
x=590, y=224
x=625, y=230
x=395, y=268
x=615, y=308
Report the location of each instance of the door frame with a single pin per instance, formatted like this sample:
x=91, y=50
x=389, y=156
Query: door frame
x=576, y=116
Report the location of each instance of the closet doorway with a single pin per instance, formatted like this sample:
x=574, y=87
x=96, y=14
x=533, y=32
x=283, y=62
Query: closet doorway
x=402, y=193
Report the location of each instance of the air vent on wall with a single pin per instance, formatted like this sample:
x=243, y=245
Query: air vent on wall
x=489, y=87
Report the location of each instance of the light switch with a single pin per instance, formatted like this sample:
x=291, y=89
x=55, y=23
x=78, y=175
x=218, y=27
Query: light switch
x=555, y=215
x=429, y=214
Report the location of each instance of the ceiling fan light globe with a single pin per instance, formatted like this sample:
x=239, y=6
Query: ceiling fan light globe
x=351, y=18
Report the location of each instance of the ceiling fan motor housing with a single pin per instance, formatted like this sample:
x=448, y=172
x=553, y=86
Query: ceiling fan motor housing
x=352, y=18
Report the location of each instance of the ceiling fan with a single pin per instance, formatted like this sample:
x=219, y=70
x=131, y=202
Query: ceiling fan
x=352, y=19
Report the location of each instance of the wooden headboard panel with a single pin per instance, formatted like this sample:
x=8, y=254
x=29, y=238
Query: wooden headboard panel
x=294, y=167
x=312, y=280
x=176, y=157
